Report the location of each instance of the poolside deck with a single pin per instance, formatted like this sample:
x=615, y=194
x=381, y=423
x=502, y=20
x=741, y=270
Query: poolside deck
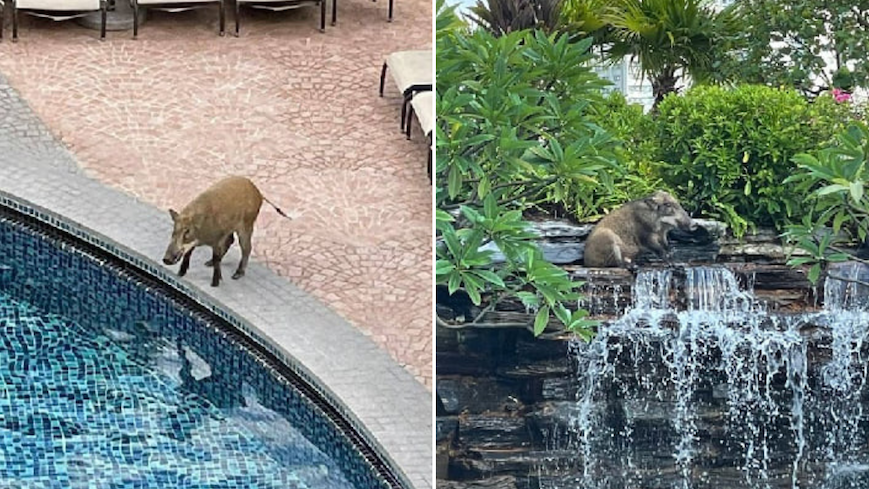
x=294, y=109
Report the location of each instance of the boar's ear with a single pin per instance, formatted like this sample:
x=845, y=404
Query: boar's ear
x=651, y=202
x=173, y=214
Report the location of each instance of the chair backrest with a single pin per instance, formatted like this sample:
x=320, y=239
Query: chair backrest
x=59, y=5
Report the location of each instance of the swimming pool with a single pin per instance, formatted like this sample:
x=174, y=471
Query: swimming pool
x=108, y=378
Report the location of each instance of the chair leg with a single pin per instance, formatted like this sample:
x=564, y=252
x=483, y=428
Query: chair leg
x=409, y=121
x=2, y=18
x=390, y=10
x=103, y=20
x=14, y=21
x=237, y=15
x=323, y=15
x=429, y=159
x=334, y=12
x=382, y=77
x=222, y=18
x=135, y=19
x=404, y=104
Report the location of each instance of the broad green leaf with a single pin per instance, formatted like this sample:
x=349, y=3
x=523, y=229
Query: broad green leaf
x=454, y=181
x=801, y=260
x=814, y=273
x=454, y=282
x=443, y=267
x=541, y=320
x=857, y=191
x=490, y=277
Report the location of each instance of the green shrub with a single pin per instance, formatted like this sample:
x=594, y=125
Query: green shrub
x=834, y=182
x=727, y=152
x=637, y=153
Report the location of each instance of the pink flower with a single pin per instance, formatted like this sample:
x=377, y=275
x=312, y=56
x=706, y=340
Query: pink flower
x=840, y=95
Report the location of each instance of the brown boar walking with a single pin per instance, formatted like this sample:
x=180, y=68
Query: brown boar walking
x=228, y=207
x=640, y=225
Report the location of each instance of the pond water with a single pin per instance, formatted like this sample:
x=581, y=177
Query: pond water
x=712, y=391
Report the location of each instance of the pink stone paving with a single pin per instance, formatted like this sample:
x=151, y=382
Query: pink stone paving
x=295, y=110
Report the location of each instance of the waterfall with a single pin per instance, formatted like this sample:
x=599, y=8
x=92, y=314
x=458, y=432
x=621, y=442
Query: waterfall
x=698, y=385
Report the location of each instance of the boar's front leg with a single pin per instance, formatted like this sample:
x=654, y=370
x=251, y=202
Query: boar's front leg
x=215, y=264
x=185, y=263
x=227, y=244
x=660, y=246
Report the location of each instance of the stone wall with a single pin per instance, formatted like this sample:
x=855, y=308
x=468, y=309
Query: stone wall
x=505, y=398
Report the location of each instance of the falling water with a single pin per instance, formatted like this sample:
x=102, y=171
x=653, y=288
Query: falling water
x=697, y=385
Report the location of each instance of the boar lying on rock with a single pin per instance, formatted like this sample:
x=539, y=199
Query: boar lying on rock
x=228, y=207
x=638, y=226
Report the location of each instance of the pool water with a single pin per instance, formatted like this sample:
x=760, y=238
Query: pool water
x=92, y=406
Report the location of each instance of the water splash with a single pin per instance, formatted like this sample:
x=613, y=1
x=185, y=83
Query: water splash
x=697, y=385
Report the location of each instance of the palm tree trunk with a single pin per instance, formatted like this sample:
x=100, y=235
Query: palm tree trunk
x=663, y=84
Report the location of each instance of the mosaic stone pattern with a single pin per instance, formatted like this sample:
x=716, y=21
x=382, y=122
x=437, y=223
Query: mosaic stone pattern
x=295, y=110
x=108, y=381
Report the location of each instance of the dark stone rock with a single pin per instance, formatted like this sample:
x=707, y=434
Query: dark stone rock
x=477, y=395
x=497, y=482
x=446, y=428
x=557, y=252
x=494, y=430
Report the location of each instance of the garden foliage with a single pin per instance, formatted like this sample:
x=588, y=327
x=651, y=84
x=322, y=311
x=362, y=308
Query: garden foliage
x=811, y=45
x=512, y=132
x=726, y=152
x=834, y=180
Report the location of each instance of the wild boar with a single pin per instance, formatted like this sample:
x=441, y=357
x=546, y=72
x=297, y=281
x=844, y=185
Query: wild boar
x=640, y=225
x=228, y=207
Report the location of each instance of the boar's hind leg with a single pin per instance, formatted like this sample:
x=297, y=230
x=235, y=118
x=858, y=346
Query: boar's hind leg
x=185, y=263
x=229, y=240
x=243, y=241
x=217, y=255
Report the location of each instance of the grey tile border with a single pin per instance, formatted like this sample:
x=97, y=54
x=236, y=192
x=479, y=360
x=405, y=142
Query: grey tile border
x=381, y=398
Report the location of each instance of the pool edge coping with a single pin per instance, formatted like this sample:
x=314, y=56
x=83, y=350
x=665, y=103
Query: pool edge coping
x=246, y=325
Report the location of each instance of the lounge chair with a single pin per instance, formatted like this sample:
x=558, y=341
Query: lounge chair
x=422, y=105
x=280, y=6
x=412, y=72
x=175, y=6
x=57, y=10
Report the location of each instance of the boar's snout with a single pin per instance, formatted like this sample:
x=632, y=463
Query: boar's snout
x=692, y=225
x=171, y=257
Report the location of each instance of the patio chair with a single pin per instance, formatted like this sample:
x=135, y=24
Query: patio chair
x=423, y=106
x=280, y=6
x=58, y=10
x=412, y=72
x=176, y=6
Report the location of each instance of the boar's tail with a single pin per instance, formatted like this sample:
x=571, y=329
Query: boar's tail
x=277, y=208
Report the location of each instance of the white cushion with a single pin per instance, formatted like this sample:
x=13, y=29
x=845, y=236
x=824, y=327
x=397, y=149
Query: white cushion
x=279, y=5
x=410, y=68
x=423, y=107
x=59, y=5
x=170, y=2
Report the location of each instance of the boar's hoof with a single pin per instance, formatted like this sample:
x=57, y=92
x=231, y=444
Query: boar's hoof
x=182, y=272
x=237, y=275
x=215, y=282
x=210, y=263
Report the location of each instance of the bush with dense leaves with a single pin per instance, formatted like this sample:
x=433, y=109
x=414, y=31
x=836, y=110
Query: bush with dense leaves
x=512, y=132
x=727, y=152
